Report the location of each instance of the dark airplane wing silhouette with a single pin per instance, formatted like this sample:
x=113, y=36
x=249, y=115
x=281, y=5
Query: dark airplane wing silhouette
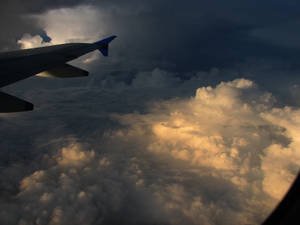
x=45, y=61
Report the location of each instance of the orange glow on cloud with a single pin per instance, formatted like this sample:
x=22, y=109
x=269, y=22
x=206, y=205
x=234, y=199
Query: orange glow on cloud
x=226, y=154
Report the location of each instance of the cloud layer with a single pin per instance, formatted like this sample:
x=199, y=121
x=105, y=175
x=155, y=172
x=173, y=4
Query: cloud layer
x=223, y=156
x=138, y=143
x=199, y=36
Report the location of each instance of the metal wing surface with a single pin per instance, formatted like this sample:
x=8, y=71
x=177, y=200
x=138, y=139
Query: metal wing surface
x=44, y=61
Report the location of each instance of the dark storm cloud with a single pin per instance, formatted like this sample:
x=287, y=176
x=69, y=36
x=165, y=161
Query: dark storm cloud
x=14, y=22
x=177, y=35
x=201, y=35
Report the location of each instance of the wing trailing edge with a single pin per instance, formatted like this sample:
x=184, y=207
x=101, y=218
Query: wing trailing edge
x=47, y=61
x=9, y=103
x=64, y=71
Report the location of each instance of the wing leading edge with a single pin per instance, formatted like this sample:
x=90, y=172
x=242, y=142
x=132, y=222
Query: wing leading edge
x=47, y=61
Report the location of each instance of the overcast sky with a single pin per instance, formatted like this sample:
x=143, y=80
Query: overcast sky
x=192, y=119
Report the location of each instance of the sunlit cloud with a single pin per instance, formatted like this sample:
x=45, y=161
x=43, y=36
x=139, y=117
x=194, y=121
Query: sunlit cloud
x=68, y=25
x=129, y=146
x=233, y=131
x=79, y=24
x=28, y=41
x=225, y=154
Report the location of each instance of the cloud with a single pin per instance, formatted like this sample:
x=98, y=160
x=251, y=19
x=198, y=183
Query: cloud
x=234, y=132
x=148, y=37
x=200, y=152
x=78, y=24
x=211, y=158
x=15, y=21
x=155, y=79
x=67, y=25
x=28, y=41
x=81, y=186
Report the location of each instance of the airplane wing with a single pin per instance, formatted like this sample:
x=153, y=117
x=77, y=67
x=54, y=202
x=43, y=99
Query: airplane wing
x=44, y=61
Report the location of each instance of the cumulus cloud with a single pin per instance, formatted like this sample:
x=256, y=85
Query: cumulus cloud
x=232, y=130
x=212, y=158
x=225, y=155
x=28, y=41
x=81, y=186
x=67, y=25
x=15, y=21
x=78, y=24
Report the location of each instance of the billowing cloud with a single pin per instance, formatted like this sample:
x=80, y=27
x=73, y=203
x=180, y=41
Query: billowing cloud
x=78, y=24
x=139, y=145
x=65, y=25
x=213, y=158
x=28, y=41
x=231, y=129
x=15, y=21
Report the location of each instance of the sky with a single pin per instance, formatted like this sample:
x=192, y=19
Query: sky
x=194, y=118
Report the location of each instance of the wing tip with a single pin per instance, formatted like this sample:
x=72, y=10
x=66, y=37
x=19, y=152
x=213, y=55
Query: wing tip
x=102, y=45
x=28, y=106
x=106, y=41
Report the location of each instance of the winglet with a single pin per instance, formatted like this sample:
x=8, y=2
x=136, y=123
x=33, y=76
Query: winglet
x=103, y=45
